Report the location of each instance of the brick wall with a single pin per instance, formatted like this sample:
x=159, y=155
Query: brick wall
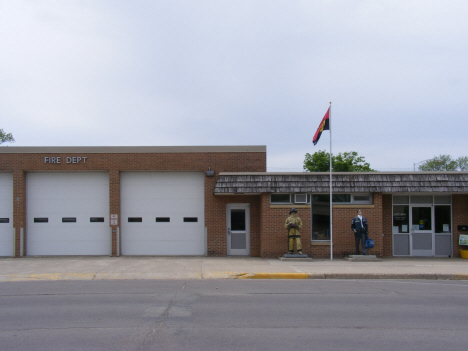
x=114, y=163
x=217, y=226
x=273, y=235
x=268, y=237
x=387, y=226
x=460, y=217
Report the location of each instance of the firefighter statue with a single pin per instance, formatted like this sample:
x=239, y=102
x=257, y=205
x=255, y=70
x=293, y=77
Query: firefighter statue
x=293, y=225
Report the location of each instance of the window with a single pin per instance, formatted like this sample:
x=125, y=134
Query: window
x=4, y=220
x=68, y=219
x=41, y=220
x=135, y=219
x=443, y=219
x=341, y=198
x=321, y=217
x=96, y=219
x=320, y=198
x=421, y=199
x=344, y=198
x=400, y=219
x=362, y=198
x=445, y=199
x=421, y=218
x=190, y=219
x=401, y=200
x=300, y=198
x=280, y=198
x=163, y=219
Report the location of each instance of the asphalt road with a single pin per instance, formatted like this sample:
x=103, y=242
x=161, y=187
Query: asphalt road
x=234, y=315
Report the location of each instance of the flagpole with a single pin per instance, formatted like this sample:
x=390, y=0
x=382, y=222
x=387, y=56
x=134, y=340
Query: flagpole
x=331, y=196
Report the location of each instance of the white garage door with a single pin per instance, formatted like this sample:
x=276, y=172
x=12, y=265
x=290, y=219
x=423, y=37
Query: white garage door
x=162, y=213
x=6, y=215
x=67, y=214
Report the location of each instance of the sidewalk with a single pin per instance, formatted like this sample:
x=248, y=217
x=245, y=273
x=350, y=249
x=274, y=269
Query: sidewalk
x=131, y=267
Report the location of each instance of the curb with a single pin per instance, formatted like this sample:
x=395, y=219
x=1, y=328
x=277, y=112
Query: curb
x=350, y=276
x=227, y=275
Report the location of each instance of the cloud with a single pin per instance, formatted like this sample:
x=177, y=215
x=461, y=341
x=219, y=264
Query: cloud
x=238, y=72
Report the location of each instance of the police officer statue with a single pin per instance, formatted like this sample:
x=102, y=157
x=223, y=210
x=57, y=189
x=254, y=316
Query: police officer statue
x=359, y=227
x=293, y=225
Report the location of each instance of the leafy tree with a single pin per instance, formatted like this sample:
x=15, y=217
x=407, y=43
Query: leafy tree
x=342, y=162
x=463, y=163
x=440, y=163
x=6, y=137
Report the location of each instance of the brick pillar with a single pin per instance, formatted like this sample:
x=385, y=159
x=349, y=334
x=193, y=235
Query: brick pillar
x=114, y=205
x=460, y=217
x=264, y=209
x=387, y=226
x=378, y=225
x=19, y=209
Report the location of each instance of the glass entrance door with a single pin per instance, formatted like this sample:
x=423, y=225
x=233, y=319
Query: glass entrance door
x=421, y=230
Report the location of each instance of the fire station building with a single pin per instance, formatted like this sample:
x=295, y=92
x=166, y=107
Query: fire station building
x=214, y=201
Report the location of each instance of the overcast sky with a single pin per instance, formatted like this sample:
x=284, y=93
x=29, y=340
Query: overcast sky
x=97, y=73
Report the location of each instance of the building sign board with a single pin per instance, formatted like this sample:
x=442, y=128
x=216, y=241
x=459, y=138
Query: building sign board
x=67, y=159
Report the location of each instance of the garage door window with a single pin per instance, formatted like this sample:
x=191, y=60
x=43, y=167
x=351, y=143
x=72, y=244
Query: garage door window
x=4, y=220
x=135, y=219
x=163, y=219
x=190, y=219
x=68, y=219
x=41, y=220
x=96, y=219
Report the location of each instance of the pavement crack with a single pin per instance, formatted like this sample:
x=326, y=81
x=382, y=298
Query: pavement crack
x=149, y=335
x=163, y=317
x=183, y=287
x=100, y=271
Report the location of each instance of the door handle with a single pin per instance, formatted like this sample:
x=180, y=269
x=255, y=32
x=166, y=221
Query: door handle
x=229, y=231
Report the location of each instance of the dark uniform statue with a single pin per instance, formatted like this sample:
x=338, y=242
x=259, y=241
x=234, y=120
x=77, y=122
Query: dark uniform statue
x=359, y=227
x=293, y=225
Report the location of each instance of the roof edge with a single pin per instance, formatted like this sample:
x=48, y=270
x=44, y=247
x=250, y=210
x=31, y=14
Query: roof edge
x=335, y=173
x=129, y=149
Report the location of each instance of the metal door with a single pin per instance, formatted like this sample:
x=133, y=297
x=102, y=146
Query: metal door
x=238, y=229
x=7, y=235
x=163, y=213
x=422, y=241
x=67, y=213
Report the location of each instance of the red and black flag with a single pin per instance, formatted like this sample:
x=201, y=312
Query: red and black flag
x=324, y=125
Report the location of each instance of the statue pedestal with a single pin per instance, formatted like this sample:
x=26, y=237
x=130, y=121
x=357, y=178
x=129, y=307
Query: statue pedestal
x=362, y=258
x=295, y=257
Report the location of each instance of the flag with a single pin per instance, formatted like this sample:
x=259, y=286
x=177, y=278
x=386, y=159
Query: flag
x=324, y=125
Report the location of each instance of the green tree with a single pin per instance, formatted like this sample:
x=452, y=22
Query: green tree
x=342, y=162
x=463, y=163
x=6, y=137
x=439, y=163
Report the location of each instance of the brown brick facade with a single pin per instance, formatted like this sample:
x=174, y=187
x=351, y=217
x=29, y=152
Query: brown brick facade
x=268, y=237
x=460, y=217
x=114, y=163
x=273, y=235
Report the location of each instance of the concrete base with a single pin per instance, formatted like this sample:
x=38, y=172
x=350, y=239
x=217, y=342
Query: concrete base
x=362, y=258
x=305, y=259
x=295, y=257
